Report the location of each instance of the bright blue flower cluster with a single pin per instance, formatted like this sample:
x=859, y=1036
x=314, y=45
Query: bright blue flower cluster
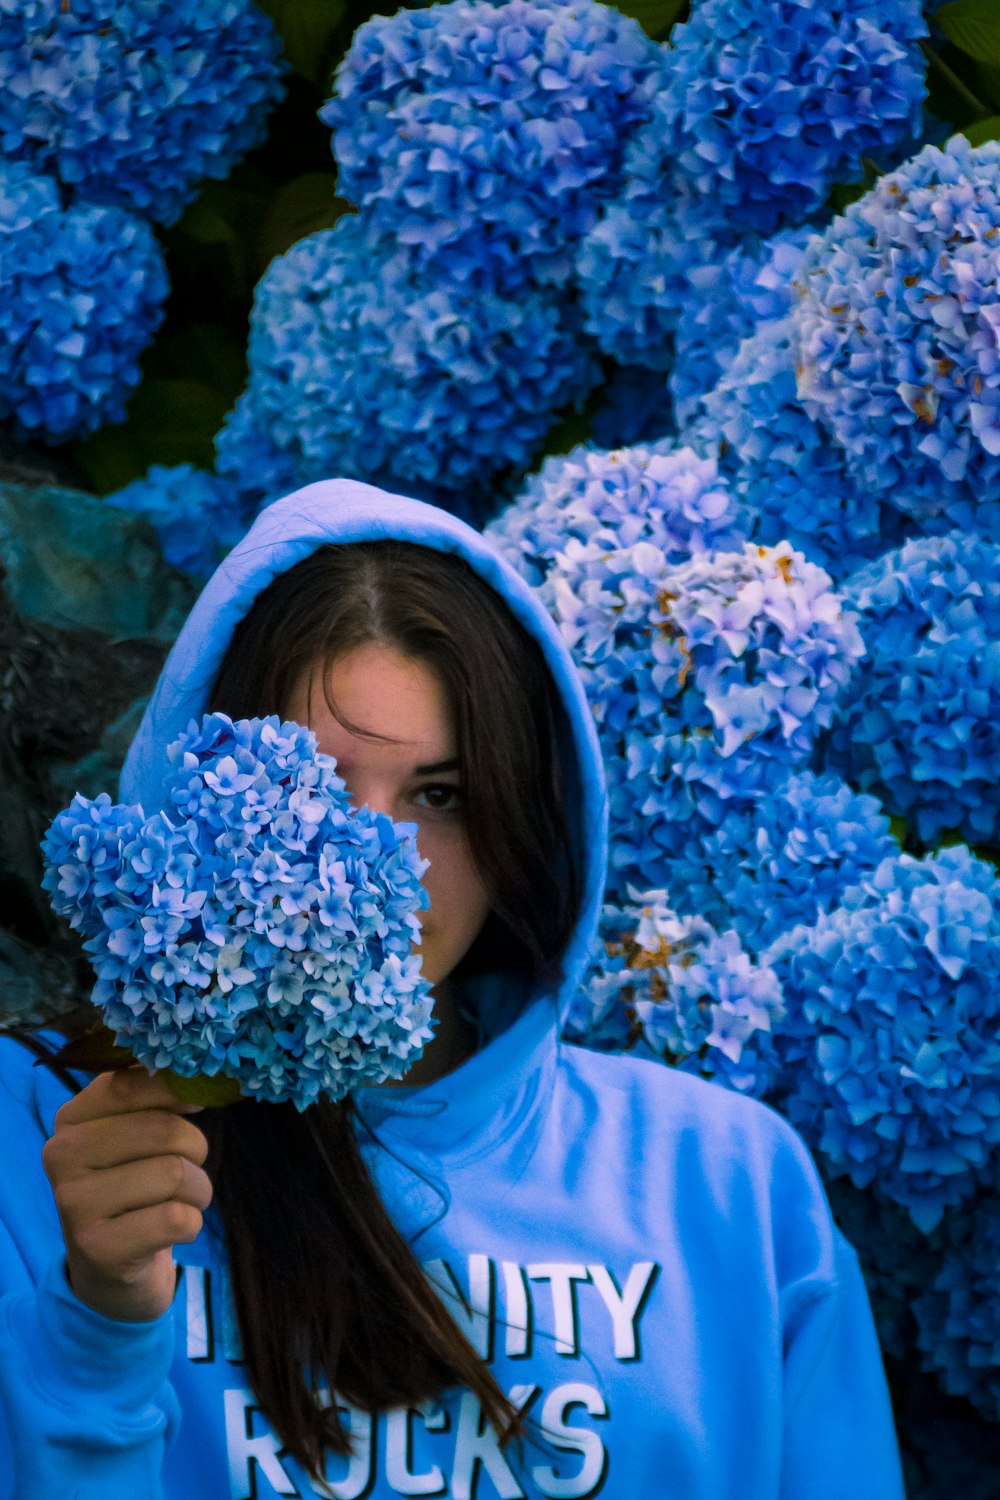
x=83, y=293
x=132, y=104
x=257, y=927
x=920, y=722
x=790, y=478
x=705, y=679
x=764, y=107
x=196, y=516
x=892, y=1039
x=959, y=1317
x=897, y=335
x=769, y=103
x=633, y=269
x=752, y=284
x=661, y=494
x=485, y=136
x=672, y=988
x=359, y=366
x=780, y=859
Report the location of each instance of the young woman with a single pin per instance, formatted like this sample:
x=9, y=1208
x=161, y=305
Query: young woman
x=530, y=1271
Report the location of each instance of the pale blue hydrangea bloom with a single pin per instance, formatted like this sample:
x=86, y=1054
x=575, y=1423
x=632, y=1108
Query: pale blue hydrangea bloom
x=672, y=988
x=897, y=335
x=662, y=494
x=920, y=723
x=484, y=137
x=81, y=294
x=135, y=102
x=197, y=516
x=706, y=679
x=959, y=1317
x=257, y=926
x=891, y=1045
x=791, y=479
x=360, y=367
x=778, y=860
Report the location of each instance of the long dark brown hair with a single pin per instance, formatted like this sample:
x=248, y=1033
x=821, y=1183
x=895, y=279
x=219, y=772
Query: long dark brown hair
x=328, y=1294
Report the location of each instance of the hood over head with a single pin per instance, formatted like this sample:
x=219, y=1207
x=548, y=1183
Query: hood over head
x=340, y=511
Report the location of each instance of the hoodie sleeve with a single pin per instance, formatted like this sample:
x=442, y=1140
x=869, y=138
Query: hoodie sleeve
x=839, y=1440
x=86, y=1401
x=86, y=1407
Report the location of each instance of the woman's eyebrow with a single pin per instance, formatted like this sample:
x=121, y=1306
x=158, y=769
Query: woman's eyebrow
x=439, y=765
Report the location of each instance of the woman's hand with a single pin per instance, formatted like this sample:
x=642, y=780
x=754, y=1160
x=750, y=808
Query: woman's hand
x=126, y=1172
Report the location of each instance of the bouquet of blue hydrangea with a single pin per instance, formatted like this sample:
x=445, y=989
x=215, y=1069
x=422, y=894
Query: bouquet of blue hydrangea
x=257, y=927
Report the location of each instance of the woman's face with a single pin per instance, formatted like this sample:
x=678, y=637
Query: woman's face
x=414, y=778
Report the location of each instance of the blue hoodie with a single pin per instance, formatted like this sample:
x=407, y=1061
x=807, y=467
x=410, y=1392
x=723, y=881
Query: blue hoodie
x=647, y=1261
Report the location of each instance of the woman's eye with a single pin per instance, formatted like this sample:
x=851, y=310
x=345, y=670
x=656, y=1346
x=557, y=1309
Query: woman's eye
x=441, y=798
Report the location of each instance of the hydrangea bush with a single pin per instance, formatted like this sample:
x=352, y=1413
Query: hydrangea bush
x=491, y=175
x=891, y=1046
x=662, y=494
x=360, y=366
x=764, y=107
x=705, y=678
x=134, y=104
x=920, y=721
x=791, y=481
x=81, y=294
x=780, y=859
x=670, y=987
x=176, y=500
x=897, y=335
x=958, y=1317
x=257, y=927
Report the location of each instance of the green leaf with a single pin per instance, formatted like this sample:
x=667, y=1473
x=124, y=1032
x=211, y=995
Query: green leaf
x=988, y=81
x=209, y=353
x=983, y=130
x=898, y=829
x=656, y=17
x=213, y=1093
x=169, y=422
x=306, y=29
x=298, y=208
x=973, y=26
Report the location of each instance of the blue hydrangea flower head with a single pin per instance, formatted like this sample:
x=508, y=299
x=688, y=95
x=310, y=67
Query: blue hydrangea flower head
x=135, y=104
x=764, y=106
x=359, y=366
x=791, y=479
x=485, y=136
x=891, y=1045
x=83, y=290
x=897, y=335
x=196, y=516
x=672, y=988
x=633, y=270
x=920, y=722
x=959, y=1316
x=730, y=298
x=248, y=459
x=258, y=927
x=705, y=679
x=778, y=860
x=662, y=494
x=767, y=105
